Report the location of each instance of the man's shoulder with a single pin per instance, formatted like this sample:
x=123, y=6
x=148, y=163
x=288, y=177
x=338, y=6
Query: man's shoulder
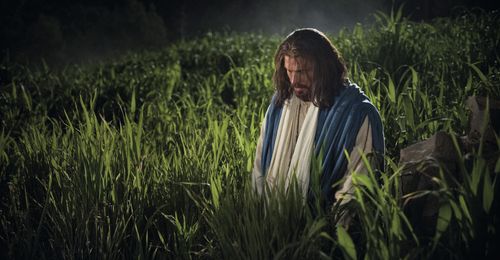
x=274, y=109
x=351, y=97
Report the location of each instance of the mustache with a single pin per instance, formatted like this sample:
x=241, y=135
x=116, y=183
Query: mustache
x=298, y=86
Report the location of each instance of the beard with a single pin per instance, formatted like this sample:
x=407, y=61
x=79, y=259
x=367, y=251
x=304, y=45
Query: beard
x=303, y=92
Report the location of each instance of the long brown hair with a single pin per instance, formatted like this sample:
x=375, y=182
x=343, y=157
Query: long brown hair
x=330, y=71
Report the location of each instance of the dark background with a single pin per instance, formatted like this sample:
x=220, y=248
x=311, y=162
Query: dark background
x=62, y=32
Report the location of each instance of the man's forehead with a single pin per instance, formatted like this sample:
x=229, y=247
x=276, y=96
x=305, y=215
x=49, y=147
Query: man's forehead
x=297, y=62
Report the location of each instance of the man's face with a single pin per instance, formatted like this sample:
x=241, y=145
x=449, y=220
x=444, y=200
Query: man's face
x=300, y=74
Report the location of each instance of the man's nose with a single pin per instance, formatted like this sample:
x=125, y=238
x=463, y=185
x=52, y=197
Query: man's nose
x=294, y=78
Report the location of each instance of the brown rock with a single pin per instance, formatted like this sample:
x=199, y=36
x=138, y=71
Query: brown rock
x=479, y=123
x=439, y=146
x=421, y=163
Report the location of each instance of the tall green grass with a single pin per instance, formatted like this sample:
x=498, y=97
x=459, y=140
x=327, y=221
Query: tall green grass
x=150, y=156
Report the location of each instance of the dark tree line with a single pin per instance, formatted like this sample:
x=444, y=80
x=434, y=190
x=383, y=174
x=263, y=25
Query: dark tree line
x=68, y=31
x=71, y=32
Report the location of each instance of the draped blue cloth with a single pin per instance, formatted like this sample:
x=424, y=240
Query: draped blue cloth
x=337, y=129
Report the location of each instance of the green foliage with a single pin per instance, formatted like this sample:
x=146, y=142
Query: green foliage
x=150, y=156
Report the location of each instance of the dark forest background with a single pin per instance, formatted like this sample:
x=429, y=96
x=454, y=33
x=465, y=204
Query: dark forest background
x=62, y=32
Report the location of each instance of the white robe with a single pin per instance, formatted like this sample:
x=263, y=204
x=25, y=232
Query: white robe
x=355, y=166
